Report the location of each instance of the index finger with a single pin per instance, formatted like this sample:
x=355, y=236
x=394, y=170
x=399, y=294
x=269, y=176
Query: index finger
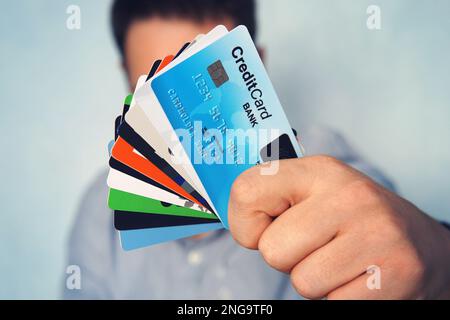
x=255, y=199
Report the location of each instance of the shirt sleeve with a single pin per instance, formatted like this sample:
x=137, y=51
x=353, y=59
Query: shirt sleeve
x=91, y=245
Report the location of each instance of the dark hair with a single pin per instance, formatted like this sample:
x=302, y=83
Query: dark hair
x=124, y=12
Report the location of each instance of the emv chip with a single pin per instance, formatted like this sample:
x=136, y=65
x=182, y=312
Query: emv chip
x=218, y=73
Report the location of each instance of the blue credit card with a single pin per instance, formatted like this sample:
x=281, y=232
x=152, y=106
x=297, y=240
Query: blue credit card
x=135, y=239
x=222, y=105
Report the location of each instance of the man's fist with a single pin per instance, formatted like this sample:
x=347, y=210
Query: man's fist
x=326, y=223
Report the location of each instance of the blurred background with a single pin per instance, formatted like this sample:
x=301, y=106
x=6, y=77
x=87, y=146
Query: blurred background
x=386, y=91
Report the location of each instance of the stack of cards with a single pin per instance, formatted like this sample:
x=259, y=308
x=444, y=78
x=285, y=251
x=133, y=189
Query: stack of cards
x=199, y=119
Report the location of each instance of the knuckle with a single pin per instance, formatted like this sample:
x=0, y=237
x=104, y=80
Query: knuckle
x=245, y=234
x=239, y=194
x=411, y=266
x=270, y=251
x=390, y=227
x=246, y=241
x=304, y=284
x=363, y=192
x=328, y=161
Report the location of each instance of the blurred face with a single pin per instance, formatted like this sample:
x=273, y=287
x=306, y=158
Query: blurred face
x=154, y=38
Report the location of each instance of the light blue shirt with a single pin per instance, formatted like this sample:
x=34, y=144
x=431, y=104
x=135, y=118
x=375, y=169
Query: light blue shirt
x=214, y=267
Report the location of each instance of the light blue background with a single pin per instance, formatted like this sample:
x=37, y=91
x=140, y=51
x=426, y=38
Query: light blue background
x=387, y=91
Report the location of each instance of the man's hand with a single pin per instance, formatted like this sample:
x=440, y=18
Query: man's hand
x=326, y=223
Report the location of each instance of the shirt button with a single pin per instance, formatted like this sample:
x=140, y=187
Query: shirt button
x=195, y=258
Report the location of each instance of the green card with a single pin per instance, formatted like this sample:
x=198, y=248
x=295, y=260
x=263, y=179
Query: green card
x=124, y=201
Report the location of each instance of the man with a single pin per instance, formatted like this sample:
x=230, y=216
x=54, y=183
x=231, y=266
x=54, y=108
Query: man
x=332, y=221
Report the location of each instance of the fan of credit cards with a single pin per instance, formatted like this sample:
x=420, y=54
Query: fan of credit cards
x=198, y=120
